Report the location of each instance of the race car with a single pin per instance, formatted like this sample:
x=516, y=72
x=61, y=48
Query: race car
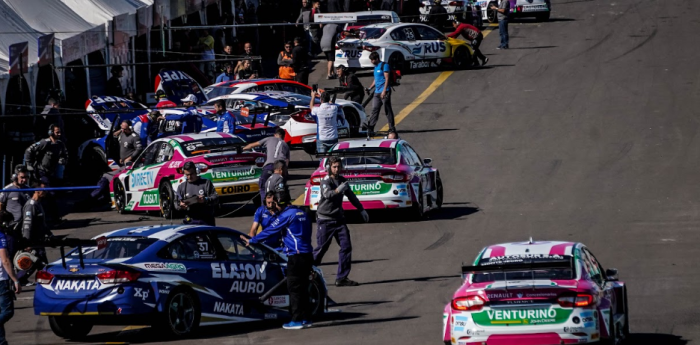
x=455, y=9
x=149, y=183
x=537, y=292
x=540, y=9
x=294, y=116
x=384, y=174
x=405, y=46
x=372, y=17
x=174, y=277
x=354, y=112
x=177, y=85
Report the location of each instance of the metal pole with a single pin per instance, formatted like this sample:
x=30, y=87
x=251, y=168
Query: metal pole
x=148, y=44
x=87, y=76
x=162, y=30
x=133, y=59
x=4, y=160
x=164, y=62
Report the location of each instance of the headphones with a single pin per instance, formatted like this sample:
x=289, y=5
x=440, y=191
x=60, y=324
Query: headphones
x=189, y=166
x=18, y=169
x=51, y=127
x=342, y=68
x=328, y=164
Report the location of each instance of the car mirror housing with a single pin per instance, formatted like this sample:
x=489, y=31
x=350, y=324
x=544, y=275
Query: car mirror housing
x=428, y=161
x=611, y=274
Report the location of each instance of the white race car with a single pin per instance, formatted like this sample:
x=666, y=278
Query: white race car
x=540, y=9
x=405, y=46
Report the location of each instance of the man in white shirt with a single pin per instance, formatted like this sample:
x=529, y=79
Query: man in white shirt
x=326, y=116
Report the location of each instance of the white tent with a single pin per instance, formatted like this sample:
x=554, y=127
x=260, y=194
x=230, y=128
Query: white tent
x=102, y=11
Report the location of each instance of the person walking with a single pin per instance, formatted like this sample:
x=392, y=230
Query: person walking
x=306, y=18
x=130, y=144
x=330, y=219
x=382, y=94
x=503, y=11
x=284, y=60
x=276, y=149
x=326, y=115
x=300, y=62
x=9, y=287
x=197, y=197
x=471, y=34
x=315, y=29
x=294, y=226
x=330, y=37
x=349, y=81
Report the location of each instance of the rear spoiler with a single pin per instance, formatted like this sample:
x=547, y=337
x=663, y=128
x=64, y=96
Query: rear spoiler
x=368, y=151
x=61, y=243
x=521, y=266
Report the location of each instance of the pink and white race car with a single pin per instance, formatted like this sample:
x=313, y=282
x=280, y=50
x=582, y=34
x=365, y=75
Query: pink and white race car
x=149, y=184
x=537, y=293
x=383, y=173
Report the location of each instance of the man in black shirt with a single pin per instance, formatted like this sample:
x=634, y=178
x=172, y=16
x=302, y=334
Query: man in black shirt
x=114, y=85
x=300, y=61
x=48, y=156
x=437, y=17
x=197, y=197
x=348, y=80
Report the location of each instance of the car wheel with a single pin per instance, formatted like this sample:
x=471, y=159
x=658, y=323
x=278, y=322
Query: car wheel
x=317, y=297
x=626, y=327
x=182, y=314
x=119, y=196
x=462, y=59
x=439, y=190
x=353, y=119
x=68, y=328
x=417, y=209
x=167, y=200
x=611, y=328
x=491, y=14
x=397, y=62
x=93, y=163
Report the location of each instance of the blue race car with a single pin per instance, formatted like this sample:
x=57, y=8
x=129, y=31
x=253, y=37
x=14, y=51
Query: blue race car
x=175, y=277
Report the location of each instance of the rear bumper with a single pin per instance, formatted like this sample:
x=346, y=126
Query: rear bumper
x=358, y=60
x=396, y=197
x=108, y=302
x=233, y=191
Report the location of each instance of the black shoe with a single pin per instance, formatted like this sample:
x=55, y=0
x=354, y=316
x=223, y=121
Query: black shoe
x=506, y=47
x=346, y=282
x=483, y=62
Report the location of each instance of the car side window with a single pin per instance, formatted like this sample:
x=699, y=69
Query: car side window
x=593, y=268
x=165, y=153
x=193, y=247
x=428, y=33
x=599, y=269
x=414, y=155
x=148, y=156
x=235, y=248
x=400, y=34
x=235, y=104
x=406, y=157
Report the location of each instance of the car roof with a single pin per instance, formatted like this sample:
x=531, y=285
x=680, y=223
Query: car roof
x=183, y=138
x=160, y=232
x=245, y=96
x=261, y=81
x=372, y=13
x=387, y=25
x=390, y=143
x=529, y=248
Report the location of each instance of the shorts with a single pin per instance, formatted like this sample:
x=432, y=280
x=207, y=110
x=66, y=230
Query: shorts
x=330, y=56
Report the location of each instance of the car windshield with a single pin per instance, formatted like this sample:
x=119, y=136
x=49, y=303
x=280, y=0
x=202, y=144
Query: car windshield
x=207, y=145
x=240, y=119
x=117, y=247
x=296, y=99
x=362, y=156
x=545, y=273
x=371, y=33
x=216, y=91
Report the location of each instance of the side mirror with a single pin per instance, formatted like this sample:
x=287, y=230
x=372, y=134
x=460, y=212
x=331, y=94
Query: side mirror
x=427, y=161
x=129, y=165
x=611, y=274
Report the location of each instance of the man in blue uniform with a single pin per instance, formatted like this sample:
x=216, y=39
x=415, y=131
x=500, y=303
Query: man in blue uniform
x=263, y=217
x=225, y=122
x=294, y=225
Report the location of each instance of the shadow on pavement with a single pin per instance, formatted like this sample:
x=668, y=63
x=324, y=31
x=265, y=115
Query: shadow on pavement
x=418, y=279
x=538, y=47
x=406, y=215
x=360, y=303
x=655, y=339
x=492, y=66
x=363, y=321
x=354, y=262
x=428, y=130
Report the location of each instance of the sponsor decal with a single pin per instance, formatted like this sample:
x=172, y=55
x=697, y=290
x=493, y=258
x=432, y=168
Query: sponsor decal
x=352, y=54
x=460, y=323
x=163, y=267
x=238, y=189
x=434, y=47
x=270, y=316
x=228, y=308
x=174, y=164
x=370, y=188
x=521, y=317
x=142, y=179
x=497, y=260
x=315, y=190
x=77, y=285
x=501, y=295
x=234, y=175
x=248, y=276
x=422, y=64
x=142, y=293
x=277, y=301
x=101, y=242
x=573, y=329
x=150, y=198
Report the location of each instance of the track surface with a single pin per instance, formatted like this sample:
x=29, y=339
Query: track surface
x=584, y=130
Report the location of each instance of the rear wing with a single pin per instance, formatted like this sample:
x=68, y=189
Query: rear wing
x=520, y=266
x=365, y=152
x=62, y=243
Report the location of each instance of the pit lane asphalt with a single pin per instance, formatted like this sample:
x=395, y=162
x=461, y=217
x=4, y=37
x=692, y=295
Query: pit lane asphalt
x=585, y=130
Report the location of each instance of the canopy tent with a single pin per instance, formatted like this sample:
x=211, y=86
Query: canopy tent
x=102, y=11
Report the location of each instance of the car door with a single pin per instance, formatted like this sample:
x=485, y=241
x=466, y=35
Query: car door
x=433, y=42
x=426, y=172
x=192, y=256
x=250, y=272
x=606, y=292
x=141, y=181
x=416, y=179
x=407, y=36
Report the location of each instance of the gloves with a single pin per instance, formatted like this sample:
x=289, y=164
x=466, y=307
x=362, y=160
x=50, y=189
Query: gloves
x=342, y=188
x=365, y=216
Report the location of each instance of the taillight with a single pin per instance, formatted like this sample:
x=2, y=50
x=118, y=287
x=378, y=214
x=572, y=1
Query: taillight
x=580, y=300
x=303, y=116
x=316, y=180
x=118, y=276
x=394, y=177
x=456, y=3
x=370, y=48
x=201, y=167
x=519, y=8
x=260, y=161
x=43, y=277
x=470, y=303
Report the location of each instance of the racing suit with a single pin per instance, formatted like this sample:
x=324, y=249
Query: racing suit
x=225, y=122
x=264, y=217
x=166, y=103
x=47, y=157
x=331, y=223
x=13, y=201
x=198, y=213
x=295, y=226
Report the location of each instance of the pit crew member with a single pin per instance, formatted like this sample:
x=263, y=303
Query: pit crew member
x=331, y=220
x=263, y=217
x=129, y=143
x=470, y=34
x=276, y=149
x=382, y=94
x=225, y=122
x=34, y=230
x=13, y=199
x=326, y=116
x=196, y=197
x=9, y=286
x=147, y=126
x=350, y=81
x=163, y=101
x=294, y=225
x=48, y=156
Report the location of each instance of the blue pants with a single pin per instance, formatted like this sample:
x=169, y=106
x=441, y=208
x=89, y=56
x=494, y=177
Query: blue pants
x=7, y=306
x=503, y=30
x=327, y=230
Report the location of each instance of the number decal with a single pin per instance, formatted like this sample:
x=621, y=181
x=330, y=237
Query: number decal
x=203, y=246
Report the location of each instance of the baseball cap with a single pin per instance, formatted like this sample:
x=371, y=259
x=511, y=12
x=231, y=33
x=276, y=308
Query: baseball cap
x=189, y=98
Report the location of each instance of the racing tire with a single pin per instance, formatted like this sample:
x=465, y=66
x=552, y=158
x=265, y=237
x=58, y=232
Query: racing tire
x=94, y=163
x=397, y=62
x=491, y=15
x=417, y=211
x=462, y=59
x=626, y=327
x=317, y=297
x=181, y=315
x=167, y=200
x=119, y=196
x=353, y=119
x=611, y=329
x=65, y=327
x=439, y=192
